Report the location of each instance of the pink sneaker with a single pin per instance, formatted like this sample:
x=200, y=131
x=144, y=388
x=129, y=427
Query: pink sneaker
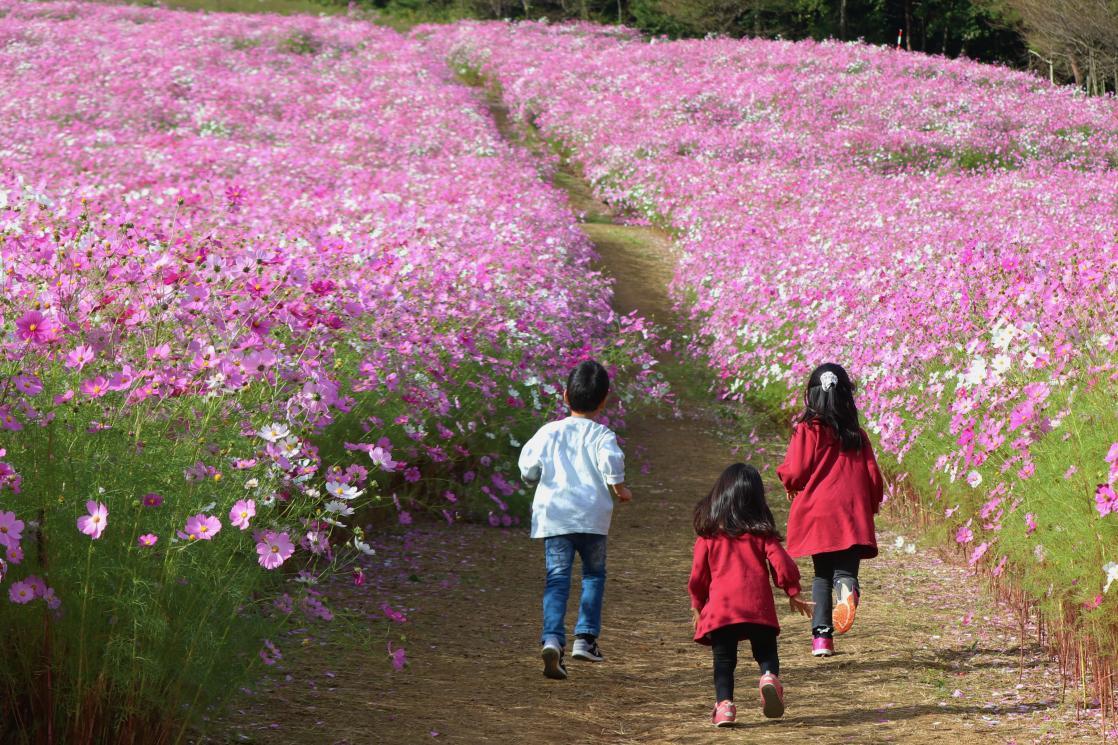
x=724, y=714
x=822, y=647
x=772, y=696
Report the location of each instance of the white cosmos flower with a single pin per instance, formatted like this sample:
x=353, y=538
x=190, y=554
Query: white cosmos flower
x=274, y=432
x=339, y=508
x=1001, y=364
x=252, y=483
x=342, y=491
x=289, y=448
x=974, y=478
x=363, y=547
x=1111, y=570
x=899, y=542
x=976, y=373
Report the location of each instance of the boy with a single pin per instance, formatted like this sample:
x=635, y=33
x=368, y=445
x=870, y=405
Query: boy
x=574, y=463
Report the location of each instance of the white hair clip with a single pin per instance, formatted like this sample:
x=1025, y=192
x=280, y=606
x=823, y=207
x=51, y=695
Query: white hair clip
x=828, y=380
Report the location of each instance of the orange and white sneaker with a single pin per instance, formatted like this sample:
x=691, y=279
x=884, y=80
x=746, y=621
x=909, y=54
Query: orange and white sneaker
x=772, y=696
x=724, y=714
x=843, y=615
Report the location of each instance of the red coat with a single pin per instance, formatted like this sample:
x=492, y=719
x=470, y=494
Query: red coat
x=730, y=581
x=837, y=493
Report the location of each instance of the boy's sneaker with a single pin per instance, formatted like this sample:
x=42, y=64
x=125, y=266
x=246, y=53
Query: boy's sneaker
x=772, y=696
x=822, y=646
x=724, y=714
x=553, y=666
x=843, y=615
x=587, y=649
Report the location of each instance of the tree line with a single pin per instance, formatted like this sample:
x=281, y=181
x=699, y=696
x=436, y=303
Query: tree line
x=1073, y=41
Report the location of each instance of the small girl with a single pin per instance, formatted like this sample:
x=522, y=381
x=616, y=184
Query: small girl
x=835, y=488
x=737, y=547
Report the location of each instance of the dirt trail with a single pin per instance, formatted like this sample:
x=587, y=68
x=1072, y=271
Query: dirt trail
x=929, y=660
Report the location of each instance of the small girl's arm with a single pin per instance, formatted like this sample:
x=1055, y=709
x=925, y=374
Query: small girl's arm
x=786, y=576
x=698, y=586
x=877, y=484
x=796, y=468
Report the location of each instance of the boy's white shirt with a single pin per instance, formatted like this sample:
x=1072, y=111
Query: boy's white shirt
x=574, y=460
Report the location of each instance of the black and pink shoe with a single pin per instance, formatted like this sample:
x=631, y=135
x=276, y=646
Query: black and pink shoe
x=822, y=646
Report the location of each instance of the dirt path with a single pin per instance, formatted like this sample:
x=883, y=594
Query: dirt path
x=929, y=661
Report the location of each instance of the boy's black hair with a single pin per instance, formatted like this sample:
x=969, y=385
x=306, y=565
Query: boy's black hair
x=834, y=406
x=735, y=505
x=587, y=387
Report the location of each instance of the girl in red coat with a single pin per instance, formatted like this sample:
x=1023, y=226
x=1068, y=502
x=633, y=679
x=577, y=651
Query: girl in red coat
x=736, y=549
x=835, y=487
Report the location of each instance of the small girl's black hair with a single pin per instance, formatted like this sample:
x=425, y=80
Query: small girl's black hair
x=833, y=405
x=735, y=505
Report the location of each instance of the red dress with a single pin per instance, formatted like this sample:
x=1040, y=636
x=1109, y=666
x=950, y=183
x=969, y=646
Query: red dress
x=730, y=581
x=838, y=493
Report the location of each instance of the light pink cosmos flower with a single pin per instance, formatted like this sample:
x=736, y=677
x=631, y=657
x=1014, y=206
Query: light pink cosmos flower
x=79, y=357
x=1030, y=523
x=202, y=527
x=274, y=549
x=964, y=535
x=93, y=524
x=147, y=539
x=11, y=530
x=382, y=458
x=242, y=512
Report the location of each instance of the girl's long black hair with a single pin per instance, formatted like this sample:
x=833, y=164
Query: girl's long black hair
x=833, y=404
x=735, y=505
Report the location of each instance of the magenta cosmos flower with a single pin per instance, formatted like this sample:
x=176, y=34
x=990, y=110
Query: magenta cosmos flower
x=202, y=527
x=93, y=524
x=151, y=499
x=147, y=539
x=274, y=549
x=11, y=529
x=242, y=512
x=34, y=327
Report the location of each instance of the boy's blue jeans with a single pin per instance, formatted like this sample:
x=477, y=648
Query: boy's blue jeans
x=559, y=554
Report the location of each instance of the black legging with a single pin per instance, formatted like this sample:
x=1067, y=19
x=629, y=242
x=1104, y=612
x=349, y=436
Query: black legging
x=724, y=645
x=831, y=569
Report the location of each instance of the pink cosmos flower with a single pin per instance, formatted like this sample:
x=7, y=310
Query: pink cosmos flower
x=21, y=593
x=1030, y=523
x=242, y=512
x=15, y=554
x=270, y=653
x=202, y=527
x=1106, y=501
x=274, y=549
x=28, y=385
x=147, y=539
x=34, y=327
x=93, y=524
x=11, y=530
x=964, y=535
x=399, y=657
x=94, y=387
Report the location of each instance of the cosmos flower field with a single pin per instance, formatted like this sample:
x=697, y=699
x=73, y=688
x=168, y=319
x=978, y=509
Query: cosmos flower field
x=268, y=283
x=946, y=230
x=265, y=281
